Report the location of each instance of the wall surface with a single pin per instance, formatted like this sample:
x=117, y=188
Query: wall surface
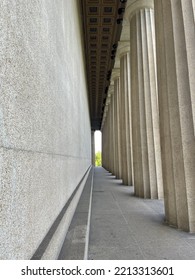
x=45, y=137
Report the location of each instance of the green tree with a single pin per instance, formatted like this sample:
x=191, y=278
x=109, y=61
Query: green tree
x=98, y=159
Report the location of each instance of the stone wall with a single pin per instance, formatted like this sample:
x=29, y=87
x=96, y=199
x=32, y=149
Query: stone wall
x=45, y=137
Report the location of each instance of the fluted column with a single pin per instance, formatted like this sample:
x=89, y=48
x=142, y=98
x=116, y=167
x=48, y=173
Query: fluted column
x=176, y=71
x=103, y=145
x=109, y=137
x=116, y=83
x=107, y=129
x=145, y=117
x=105, y=138
x=112, y=130
x=124, y=53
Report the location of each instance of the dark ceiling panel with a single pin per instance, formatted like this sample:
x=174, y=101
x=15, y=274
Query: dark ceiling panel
x=101, y=32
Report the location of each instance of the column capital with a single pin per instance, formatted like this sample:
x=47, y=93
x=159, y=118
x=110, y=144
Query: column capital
x=123, y=48
x=125, y=33
x=135, y=5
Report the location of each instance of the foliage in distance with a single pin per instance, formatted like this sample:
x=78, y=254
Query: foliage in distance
x=98, y=159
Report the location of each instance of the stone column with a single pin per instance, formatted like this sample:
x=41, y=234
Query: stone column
x=145, y=118
x=124, y=53
x=176, y=64
x=105, y=140
x=116, y=83
x=112, y=130
x=123, y=142
x=103, y=145
x=109, y=136
x=113, y=126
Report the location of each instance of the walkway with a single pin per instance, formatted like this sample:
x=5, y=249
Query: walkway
x=126, y=227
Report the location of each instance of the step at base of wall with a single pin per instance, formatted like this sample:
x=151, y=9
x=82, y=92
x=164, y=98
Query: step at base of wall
x=75, y=246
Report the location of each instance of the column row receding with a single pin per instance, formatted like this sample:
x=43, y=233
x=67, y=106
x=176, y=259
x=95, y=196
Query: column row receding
x=148, y=130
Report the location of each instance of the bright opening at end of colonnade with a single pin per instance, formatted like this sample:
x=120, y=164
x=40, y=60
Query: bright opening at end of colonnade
x=98, y=148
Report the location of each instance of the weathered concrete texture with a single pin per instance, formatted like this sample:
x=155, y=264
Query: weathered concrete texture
x=126, y=227
x=44, y=120
x=176, y=64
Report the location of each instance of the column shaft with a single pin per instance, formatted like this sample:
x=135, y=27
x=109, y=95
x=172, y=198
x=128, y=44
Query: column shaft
x=122, y=115
x=110, y=137
x=117, y=125
x=126, y=121
x=145, y=117
x=114, y=128
x=176, y=63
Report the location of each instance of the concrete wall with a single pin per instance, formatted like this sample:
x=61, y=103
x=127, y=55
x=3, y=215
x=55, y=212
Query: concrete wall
x=45, y=137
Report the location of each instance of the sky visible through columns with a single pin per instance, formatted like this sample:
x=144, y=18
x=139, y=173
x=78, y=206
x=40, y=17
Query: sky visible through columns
x=98, y=141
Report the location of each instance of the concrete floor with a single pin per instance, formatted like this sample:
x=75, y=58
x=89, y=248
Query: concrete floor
x=130, y=228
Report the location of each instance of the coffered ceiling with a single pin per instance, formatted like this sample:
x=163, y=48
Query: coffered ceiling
x=102, y=22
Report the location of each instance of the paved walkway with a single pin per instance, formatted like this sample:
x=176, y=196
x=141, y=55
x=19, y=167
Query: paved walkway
x=126, y=227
